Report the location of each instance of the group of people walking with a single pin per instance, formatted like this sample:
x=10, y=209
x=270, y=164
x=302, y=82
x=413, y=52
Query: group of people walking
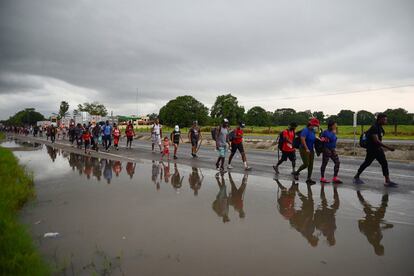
x=308, y=141
x=93, y=135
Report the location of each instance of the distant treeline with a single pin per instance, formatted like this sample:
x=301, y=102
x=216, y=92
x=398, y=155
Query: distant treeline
x=183, y=110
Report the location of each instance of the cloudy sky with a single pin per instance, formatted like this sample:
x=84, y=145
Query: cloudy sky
x=319, y=55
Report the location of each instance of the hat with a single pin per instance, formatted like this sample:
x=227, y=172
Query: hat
x=225, y=120
x=314, y=122
x=176, y=128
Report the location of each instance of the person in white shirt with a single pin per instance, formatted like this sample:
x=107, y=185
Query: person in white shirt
x=156, y=134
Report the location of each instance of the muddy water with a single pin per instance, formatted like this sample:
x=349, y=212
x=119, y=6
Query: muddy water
x=153, y=218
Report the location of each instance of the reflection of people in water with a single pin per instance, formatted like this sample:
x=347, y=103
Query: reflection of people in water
x=72, y=160
x=88, y=166
x=167, y=173
x=155, y=173
x=237, y=195
x=117, y=167
x=221, y=204
x=52, y=152
x=107, y=173
x=176, y=179
x=286, y=199
x=195, y=180
x=96, y=168
x=303, y=219
x=130, y=169
x=325, y=216
x=373, y=224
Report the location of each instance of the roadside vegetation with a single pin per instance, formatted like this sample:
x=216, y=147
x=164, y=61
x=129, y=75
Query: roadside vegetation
x=405, y=132
x=18, y=255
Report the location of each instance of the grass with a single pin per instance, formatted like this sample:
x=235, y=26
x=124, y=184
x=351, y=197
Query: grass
x=404, y=132
x=18, y=255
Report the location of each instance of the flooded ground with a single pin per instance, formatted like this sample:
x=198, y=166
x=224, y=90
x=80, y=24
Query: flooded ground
x=154, y=218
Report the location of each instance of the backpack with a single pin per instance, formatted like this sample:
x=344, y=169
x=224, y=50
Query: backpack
x=296, y=141
x=363, y=140
x=214, y=133
x=319, y=145
x=280, y=140
x=232, y=135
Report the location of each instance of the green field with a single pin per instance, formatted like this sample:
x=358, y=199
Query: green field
x=405, y=132
x=18, y=255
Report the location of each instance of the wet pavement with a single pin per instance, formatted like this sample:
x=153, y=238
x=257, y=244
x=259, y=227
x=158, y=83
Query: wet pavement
x=158, y=218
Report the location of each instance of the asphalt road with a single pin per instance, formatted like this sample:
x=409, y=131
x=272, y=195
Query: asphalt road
x=261, y=162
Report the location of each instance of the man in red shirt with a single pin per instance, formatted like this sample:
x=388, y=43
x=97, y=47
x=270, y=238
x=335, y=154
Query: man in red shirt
x=237, y=144
x=288, y=151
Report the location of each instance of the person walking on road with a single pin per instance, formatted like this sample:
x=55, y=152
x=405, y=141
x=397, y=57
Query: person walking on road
x=375, y=151
x=194, y=135
x=129, y=133
x=175, y=137
x=307, y=150
x=166, y=148
x=288, y=151
x=156, y=134
x=117, y=134
x=86, y=137
x=96, y=133
x=107, y=132
x=222, y=140
x=52, y=133
x=329, y=152
x=236, y=139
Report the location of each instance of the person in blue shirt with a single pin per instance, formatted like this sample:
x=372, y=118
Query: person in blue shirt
x=107, y=132
x=329, y=152
x=307, y=150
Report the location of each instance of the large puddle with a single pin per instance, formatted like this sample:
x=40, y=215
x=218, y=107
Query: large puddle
x=153, y=218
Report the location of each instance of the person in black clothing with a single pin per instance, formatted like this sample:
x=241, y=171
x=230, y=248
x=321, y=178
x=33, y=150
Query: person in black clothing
x=375, y=150
x=373, y=224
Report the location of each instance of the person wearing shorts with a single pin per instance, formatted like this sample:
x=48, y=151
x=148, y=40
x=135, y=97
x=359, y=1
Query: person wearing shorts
x=175, y=137
x=222, y=138
x=237, y=145
x=288, y=151
x=129, y=133
x=194, y=135
x=166, y=148
x=156, y=134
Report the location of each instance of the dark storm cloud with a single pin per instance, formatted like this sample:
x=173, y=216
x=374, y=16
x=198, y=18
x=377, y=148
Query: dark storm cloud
x=170, y=48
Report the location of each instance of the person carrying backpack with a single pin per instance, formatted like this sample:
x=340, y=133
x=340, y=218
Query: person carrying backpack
x=236, y=139
x=329, y=152
x=307, y=150
x=375, y=151
x=285, y=145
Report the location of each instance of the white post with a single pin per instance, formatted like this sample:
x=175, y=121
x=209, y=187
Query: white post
x=355, y=126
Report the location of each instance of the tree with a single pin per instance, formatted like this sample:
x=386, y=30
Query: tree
x=183, y=111
x=257, y=116
x=227, y=106
x=93, y=108
x=319, y=115
x=302, y=117
x=283, y=116
x=397, y=117
x=28, y=116
x=365, y=118
x=63, y=109
x=152, y=116
x=345, y=117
